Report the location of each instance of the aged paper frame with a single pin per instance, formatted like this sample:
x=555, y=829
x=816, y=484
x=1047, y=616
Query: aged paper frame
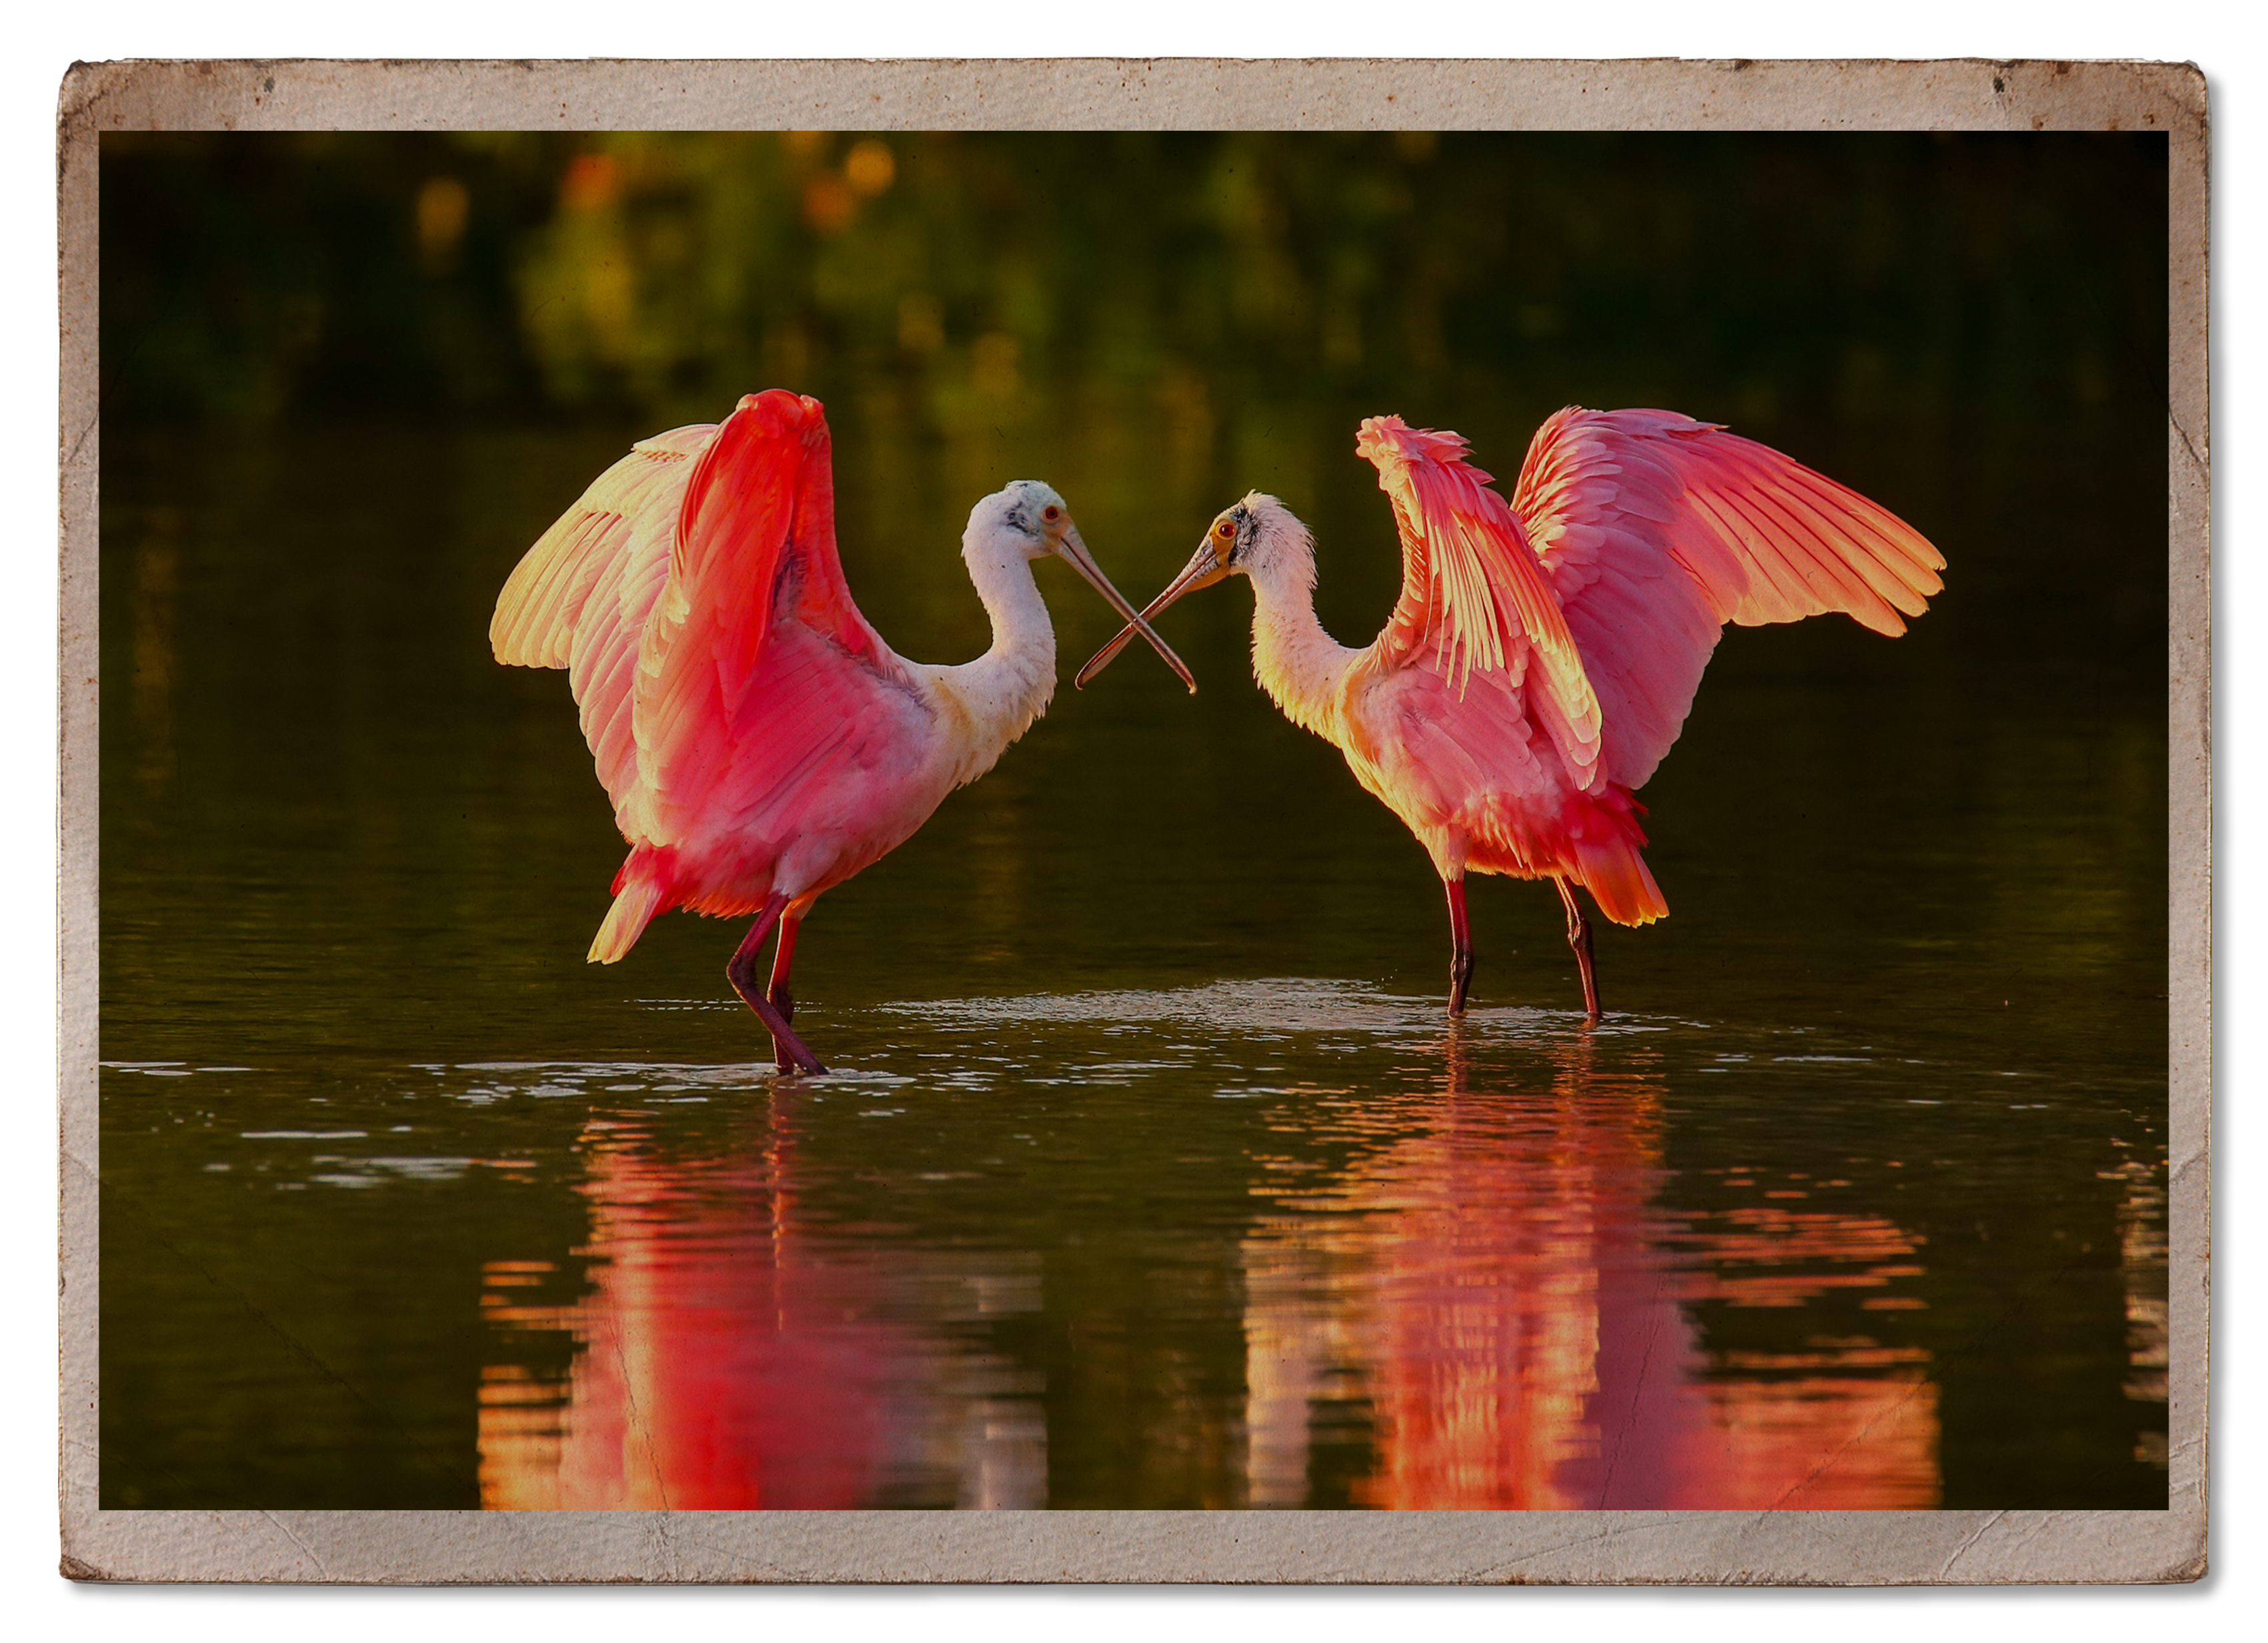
x=1810, y=1548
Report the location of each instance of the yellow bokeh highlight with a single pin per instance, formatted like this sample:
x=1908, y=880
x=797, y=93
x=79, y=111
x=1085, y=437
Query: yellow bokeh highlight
x=870, y=168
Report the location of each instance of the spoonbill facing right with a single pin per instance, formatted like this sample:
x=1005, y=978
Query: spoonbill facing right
x=1544, y=653
x=761, y=742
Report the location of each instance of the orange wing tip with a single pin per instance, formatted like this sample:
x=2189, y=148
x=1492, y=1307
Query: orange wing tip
x=1624, y=898
x=1617, y=875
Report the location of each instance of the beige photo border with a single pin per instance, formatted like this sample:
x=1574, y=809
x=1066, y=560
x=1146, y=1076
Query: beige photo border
x=1812, y=1548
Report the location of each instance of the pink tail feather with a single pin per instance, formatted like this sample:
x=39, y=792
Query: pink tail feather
x=641, y=891
x=1607, y=840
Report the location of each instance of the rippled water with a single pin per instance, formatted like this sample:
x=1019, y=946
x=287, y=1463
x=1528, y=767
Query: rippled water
x=1149, y=1173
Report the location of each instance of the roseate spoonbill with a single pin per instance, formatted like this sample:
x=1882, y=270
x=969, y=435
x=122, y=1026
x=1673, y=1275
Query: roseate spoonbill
x=1543, y=653
x=759, y=740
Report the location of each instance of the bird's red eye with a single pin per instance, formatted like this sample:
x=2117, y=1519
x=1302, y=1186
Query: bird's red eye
x=1053, y=514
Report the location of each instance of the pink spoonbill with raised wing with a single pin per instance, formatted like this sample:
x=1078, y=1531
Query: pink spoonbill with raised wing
x=760, y=741
x=1545, y=650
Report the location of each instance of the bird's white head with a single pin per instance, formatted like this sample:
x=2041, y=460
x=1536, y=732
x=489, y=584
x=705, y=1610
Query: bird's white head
x=1026, y=519
x=1255, y=536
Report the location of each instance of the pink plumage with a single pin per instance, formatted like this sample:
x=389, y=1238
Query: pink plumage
x=759, y=740
x=1545, y=650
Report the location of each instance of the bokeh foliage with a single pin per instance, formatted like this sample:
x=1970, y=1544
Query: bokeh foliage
x=1777, y=279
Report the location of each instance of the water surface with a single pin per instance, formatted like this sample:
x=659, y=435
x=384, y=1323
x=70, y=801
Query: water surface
x=1150, y=1173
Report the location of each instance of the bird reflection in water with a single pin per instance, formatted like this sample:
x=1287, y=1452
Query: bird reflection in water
x=1491, y=1302
x=1503, y=1291
x=726, y=1357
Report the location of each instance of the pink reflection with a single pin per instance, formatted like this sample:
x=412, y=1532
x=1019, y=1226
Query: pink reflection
x=728, y=1359
x=1500, y=1291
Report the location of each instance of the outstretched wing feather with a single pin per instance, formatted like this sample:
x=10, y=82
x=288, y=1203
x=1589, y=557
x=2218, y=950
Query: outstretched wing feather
x=543, y=602
x=1655, y=530
x=1474, y=594
x=581, y=596
x=754, y=545
x=657, y=589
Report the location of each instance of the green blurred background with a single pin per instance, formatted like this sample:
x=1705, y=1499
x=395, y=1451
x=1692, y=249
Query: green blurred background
x=1785, y=279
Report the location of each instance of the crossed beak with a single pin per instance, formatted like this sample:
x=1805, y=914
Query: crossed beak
x=1204, y=569
x=1067, y=545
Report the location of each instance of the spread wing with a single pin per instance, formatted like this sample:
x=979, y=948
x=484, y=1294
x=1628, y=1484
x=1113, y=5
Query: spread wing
x=1656, y=530
x=1474, y=597
x=658, y=589
x=579, y=598
x=754, y=548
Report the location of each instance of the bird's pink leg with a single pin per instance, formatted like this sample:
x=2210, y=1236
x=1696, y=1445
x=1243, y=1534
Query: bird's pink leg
x=1460, y=947
x=782, y=998
x=1578, y=937
x=741, y=972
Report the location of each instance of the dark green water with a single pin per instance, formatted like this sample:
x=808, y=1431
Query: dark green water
x=1150, y=1175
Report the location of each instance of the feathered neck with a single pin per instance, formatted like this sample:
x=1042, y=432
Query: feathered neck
x=1000, y=693
x=1299, y=665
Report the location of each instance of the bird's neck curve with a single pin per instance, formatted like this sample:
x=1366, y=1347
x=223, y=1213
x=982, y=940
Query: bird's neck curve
x=1299, y=665
x=1003, y=690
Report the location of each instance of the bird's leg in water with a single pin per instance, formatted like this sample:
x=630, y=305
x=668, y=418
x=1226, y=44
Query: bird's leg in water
x=741, y=972
x=782, y=998
x=1460, y=947
x=1578, y=937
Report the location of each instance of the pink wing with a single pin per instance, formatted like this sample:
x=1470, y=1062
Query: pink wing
x=753, y=547
x=657, y=589
x=1474, y=595
x=1656, y=530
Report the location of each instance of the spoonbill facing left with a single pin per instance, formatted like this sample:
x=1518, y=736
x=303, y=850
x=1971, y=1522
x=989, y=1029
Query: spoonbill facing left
x=1544, y=653
x=761, y=742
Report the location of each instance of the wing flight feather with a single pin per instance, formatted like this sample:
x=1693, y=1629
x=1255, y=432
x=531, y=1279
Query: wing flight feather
x=658, y=590
x=1631, y=538
x=581, y=596
x=1716, y=528
x=1474, y=594
x=754, y=545
x=543, y=602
